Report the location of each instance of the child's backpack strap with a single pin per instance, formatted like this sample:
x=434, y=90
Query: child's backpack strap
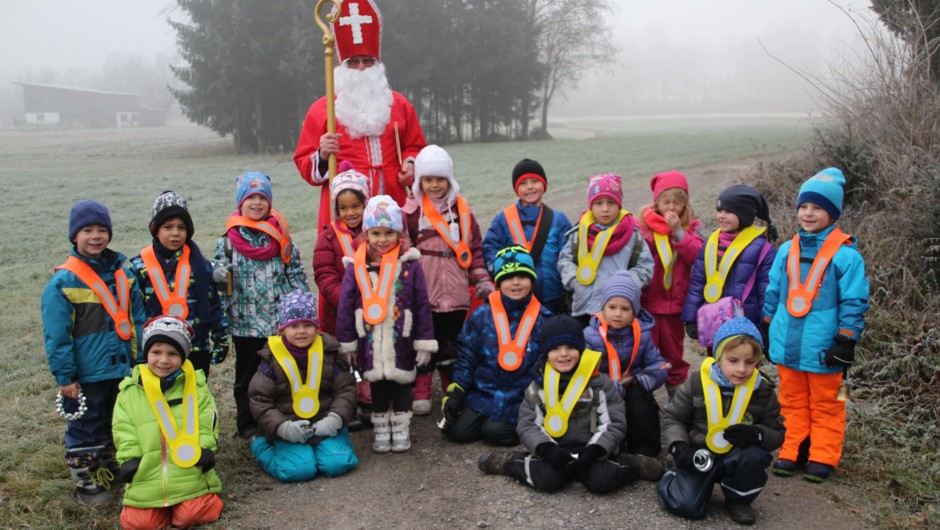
x=637, y=249
x=541, y=235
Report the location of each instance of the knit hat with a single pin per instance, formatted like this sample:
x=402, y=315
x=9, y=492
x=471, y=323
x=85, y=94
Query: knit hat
x=88, y=212
x=433, y=161
x=732, y=328
x=824, y=189
x=747, y=203
x=512, y=260
x=382, y=210
x=349, y=179
x=171, y=330
x=253, y=184
x=667, y=181
x=297, y=306
x=168, y=205
x=561, y=330
x=623, y=285
x=605, y=185
x=528, y=169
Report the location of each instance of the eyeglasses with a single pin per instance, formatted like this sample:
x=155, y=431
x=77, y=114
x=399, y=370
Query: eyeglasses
x=367, y=62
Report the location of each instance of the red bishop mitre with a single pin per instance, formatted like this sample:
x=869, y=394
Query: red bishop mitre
x=358, y=30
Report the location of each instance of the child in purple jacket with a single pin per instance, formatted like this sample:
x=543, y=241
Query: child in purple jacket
x=384, y=318
x=621, y=331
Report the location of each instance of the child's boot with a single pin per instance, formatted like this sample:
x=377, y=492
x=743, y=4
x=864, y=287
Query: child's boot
x=493, y=463
x=401, y=434
x=91, y=480
x=381, y=426
x=109, y=462
x=648, y=468
x=741, y=513
x=816, y=472
x=421, y=406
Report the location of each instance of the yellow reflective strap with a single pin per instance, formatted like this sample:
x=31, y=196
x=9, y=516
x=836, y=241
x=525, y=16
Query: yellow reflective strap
x=716, y=274
x=305, y=396
x=184, y=445
x=558, y=411
x=590, y=258
x=717, y=421
x=667, y=255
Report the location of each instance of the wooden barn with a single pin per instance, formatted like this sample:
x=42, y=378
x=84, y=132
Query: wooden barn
x=65, y=106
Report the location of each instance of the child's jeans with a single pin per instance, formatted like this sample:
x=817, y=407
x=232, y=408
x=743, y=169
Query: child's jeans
x=89, y=436
x=741, y=474
x=201, y=510
x=292, y=462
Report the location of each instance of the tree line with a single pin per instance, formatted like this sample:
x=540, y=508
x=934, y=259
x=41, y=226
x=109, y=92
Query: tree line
x=476, y=70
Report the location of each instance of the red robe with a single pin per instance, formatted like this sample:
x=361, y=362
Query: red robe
x=380, y=165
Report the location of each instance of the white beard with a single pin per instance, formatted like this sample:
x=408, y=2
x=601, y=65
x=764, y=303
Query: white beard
x=363, y=100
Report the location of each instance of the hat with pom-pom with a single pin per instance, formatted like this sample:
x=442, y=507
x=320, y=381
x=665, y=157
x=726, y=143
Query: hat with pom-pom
x=824, y=189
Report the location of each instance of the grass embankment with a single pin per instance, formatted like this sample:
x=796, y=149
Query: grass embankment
x=44, y=173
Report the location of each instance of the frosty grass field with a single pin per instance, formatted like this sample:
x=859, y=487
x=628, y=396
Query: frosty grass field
x=45, y=172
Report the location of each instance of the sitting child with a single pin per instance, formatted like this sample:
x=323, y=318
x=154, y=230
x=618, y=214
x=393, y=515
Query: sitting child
x=570, y=437
x=302, y=396
x=729, y=409
x=181, y=490
x=621, y=332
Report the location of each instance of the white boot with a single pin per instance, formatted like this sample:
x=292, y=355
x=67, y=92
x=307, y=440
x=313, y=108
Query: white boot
x=383, y=433
x=401, y=435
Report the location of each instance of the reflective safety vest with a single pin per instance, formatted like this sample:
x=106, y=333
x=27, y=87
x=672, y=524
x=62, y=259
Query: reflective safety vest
x=801, y=295
x=375, y=298
x=715, y=274
x=717, y=421
x=282, y=236
x=305, y=396
x=461, y=247
x=184, y=443
x=558, y=408
x=613, y=360
x=172, y=302
x=590, y=258
x=118, y=310
x=512, y=349
x=667, y=255
x=515, y=226
x=345, y=240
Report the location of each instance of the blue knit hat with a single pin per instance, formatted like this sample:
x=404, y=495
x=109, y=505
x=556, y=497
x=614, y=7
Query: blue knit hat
x=824, y=189
x=623, y=285
x=253, y=184
x=561, y=330
x=514, y=259
x=732, y=328
x=88, y=212
x=297, y=306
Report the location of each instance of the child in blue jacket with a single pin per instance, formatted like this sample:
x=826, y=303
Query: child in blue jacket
x=621, y=331
x=92, y=340
x=532, y=224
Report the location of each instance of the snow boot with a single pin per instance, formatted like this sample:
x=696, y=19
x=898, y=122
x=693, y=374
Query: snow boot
x=92, y=482
x=648, y=467
x=421, y=406
x=383, y=433
x=401, y=435
x=494, y=463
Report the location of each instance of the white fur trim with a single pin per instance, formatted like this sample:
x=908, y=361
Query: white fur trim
x=412, y=254
x=348, y=347
x=383, y=339
x=426, y=345
x=348, y=260
x=360, y=324
x=406, y=324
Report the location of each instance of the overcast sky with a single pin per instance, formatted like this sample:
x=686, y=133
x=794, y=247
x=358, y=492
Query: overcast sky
x=716, y=37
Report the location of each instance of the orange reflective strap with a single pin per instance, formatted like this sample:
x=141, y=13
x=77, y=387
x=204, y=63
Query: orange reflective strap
x=375, y=298
x=613, y=359
x=173, y=302
x=512, y=349
x=515, y=227
x=282, y=236
x=344, y=240
x=801, y=295
x=119, y=310
x=462, y=247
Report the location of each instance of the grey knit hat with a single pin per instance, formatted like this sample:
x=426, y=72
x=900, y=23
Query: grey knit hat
x=623, y=285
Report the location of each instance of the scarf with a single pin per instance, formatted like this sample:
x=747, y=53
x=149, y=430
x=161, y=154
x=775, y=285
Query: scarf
x=201, y=279
x=300, y=355
x=269, y=247
x=655, y=222
x=619, y=239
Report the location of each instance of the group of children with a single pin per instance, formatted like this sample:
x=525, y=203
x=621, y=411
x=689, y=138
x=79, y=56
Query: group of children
x=396, y=288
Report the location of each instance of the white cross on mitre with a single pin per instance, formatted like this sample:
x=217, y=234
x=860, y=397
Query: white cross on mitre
x=356, y=21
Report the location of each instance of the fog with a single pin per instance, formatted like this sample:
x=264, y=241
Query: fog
x=674, y=56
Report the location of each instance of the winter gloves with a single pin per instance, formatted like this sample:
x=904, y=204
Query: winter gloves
x=453, y=402
x=422, y=358
x=841, y=354
x=219, y=353
x=765, y=336
x=483, y=288
x=587, y=457
x=206, y=460
x=293, y=431
x=682, y=455
x=328, y=426
x=555, y=455
x=128, y=470
x=742, y=436
x=646, y=380
x=220, y=274
x=691, y=329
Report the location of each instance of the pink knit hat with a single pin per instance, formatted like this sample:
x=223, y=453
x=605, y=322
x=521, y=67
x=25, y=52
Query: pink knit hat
x=605, y=185
x=667, y=181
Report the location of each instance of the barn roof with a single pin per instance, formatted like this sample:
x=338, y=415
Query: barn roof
x=75, y=89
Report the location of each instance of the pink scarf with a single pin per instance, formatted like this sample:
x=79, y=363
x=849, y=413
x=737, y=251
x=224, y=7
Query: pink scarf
x=270, y=250
x=619, y=239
